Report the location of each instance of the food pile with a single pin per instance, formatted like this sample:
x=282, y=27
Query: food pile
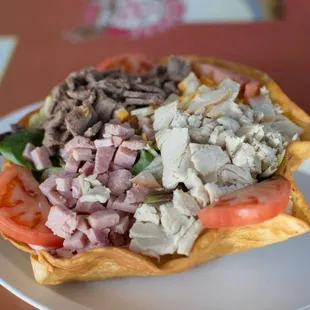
x=145, y=160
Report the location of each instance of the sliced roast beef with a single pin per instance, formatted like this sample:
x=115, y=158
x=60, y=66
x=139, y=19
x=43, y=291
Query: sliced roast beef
x=80, y=119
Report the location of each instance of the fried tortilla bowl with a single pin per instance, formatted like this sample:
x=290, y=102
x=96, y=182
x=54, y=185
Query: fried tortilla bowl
x=110, y=262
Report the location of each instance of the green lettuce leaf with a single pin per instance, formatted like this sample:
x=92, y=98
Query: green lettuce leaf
x=12, y=146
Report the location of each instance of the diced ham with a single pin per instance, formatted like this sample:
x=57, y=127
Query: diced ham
x=120, y=204
x=136, y=194
x=103, y=159
x=134, y=144
x=145, y=179
x=87, y=169
x=64, y=183
x=48, y=185
x=103, y=219
x=110, y=202
x=119, y=130
x=103, y=179
x=98, y=236
x=77, y=142
x=76, y=188
x=122, y=226
x=72, y=165
x=88, y=207
x=251, y=89
x=70, y=201
x=76, y=242
x=82, y=224
x=117, y=141
x=56, y=199
x=104, y=142
x=62, y=221
x=122, y=213
x=114, y=167
x=116, y=239
x=125, y=157
x=64, y=253
x=41, y=158
x=27, y=151
x=83, y=154
x=119, y=181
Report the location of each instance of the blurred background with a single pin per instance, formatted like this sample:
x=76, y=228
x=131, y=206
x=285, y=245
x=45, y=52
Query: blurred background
x=42, y=41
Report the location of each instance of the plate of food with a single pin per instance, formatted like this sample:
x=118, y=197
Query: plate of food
x=135, y=181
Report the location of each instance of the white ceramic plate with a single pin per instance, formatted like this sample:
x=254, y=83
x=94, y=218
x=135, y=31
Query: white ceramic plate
x=273, y=277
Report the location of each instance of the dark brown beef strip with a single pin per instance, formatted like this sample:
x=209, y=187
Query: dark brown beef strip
x=80, y=119
x=102, y=92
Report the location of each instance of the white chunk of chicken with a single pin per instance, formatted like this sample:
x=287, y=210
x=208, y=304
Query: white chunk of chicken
x=185, y=203
x=147, y=213
x=228, y=123
x=231, y=174
x=208, y=158
x=190, y=84
x=164, y=115
x=172, y=219
x=173, y=150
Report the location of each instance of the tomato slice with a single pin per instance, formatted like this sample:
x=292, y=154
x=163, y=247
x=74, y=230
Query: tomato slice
x=129, y=63
x=251, y=205
x=24, y=209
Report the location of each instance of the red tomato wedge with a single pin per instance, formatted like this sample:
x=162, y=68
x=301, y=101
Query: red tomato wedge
x=24, y=209
x=251, y=205
x=129, y=63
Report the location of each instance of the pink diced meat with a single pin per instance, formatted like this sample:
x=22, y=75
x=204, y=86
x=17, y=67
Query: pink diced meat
x=83, y=154
x=56, y=199
x=134, y=144
x=64, y=253
x=82, y=224
x=119, y=181
x=41, y=158
x=103, y=159
x=103, y=219
x=27, y=151
x=136, y=194
x=76, y=188
x=122, y=226
x=120, y=204
x=110, y=202
x=72, y=165
x=87, y=169
x=119, y=130
x=77, y=142
x=98, y=236
x=62, y=221
x=48, y=185
x=125, y=157
x=64, y=183
x=104, y=142
x=116, y=239
x=103, y=178
x=77, y=241
x=114, y=167
x=88, y=207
